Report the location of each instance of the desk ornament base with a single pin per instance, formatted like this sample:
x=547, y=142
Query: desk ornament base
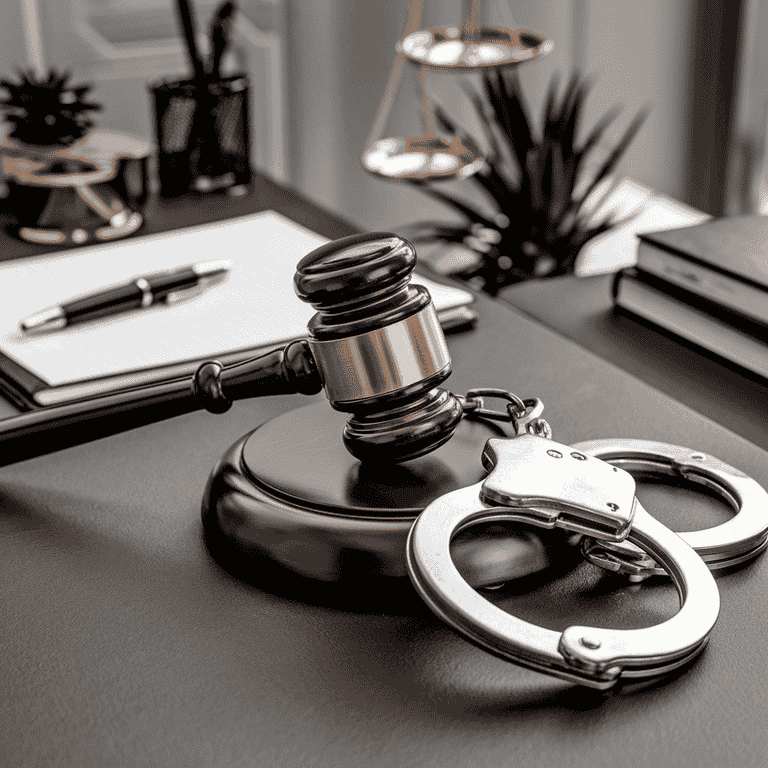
x=86, y=193
x=289, y=494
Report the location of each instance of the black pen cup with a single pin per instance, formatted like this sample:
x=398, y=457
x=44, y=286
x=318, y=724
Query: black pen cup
x=203, y=135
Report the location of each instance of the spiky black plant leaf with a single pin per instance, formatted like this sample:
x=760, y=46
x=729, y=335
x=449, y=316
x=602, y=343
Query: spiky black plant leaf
x=537, y=182
x=618, y=151
x=47, y=110
x=464, y=208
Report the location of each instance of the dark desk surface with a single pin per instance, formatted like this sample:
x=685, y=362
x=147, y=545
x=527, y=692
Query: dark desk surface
x=123, y=643
x=582, y=310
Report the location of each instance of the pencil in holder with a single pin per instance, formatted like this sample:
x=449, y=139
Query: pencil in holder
x=203, y=135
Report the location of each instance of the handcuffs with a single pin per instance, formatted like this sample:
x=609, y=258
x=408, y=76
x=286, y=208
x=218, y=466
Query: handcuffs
x=739, y=539
x=587, y=488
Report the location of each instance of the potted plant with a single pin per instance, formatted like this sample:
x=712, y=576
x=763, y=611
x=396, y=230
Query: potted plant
x=539, y=186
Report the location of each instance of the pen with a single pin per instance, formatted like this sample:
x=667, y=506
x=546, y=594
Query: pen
x=139, y=293
x=220, y=31
x=188, y=27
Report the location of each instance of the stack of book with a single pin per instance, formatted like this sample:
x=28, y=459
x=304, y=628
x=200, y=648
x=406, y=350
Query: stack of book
x=707, y=284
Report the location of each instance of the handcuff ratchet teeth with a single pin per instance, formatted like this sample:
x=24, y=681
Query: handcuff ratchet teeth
x=735, y=541
x=535, y=480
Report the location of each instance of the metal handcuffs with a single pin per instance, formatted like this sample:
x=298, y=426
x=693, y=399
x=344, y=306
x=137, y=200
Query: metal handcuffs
x=735, y=541
x=548, y=484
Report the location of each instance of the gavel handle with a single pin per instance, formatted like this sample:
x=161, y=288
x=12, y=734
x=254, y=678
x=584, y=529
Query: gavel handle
x=285, y=371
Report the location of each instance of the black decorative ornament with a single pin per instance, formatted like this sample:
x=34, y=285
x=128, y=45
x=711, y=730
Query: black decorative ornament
x=68, y=184
x=47, y=111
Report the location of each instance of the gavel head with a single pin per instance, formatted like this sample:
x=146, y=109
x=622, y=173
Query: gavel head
x=378, y=346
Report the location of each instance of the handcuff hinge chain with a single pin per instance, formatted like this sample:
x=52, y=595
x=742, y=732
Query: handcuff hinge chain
x=524, y=415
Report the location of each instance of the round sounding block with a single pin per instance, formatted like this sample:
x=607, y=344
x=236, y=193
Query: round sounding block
x=299, y=458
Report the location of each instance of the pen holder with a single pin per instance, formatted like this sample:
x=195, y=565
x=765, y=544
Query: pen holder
x=203, y=135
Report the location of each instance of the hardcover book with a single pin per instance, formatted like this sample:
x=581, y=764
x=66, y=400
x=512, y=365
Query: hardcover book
x=728, y=335
x=722, y=260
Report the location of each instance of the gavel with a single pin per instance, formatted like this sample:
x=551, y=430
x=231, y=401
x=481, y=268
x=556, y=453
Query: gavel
x=375, y=345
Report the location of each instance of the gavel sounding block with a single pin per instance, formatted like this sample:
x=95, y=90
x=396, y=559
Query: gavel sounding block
x=290, y=495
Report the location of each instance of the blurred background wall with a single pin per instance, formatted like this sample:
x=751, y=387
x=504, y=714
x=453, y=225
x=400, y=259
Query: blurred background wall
x=319, y=70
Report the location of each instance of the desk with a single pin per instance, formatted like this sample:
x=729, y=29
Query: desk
x=123, y=643
x=582, y=310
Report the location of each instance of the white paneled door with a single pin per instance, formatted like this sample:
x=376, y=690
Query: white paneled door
x=122, y=45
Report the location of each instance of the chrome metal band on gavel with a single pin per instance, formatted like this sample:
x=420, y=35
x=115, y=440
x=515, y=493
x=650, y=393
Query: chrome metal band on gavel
x=383, y=361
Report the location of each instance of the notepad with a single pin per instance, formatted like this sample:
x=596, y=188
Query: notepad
x=255, y=310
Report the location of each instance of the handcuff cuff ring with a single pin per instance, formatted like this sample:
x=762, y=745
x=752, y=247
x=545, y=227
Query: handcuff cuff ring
x=739, y=539
x=594, y=657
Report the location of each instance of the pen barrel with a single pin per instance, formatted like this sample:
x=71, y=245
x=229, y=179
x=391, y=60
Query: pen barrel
x=188, y=27
x=109, y=302
x=162, y=285
x=144, y=292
